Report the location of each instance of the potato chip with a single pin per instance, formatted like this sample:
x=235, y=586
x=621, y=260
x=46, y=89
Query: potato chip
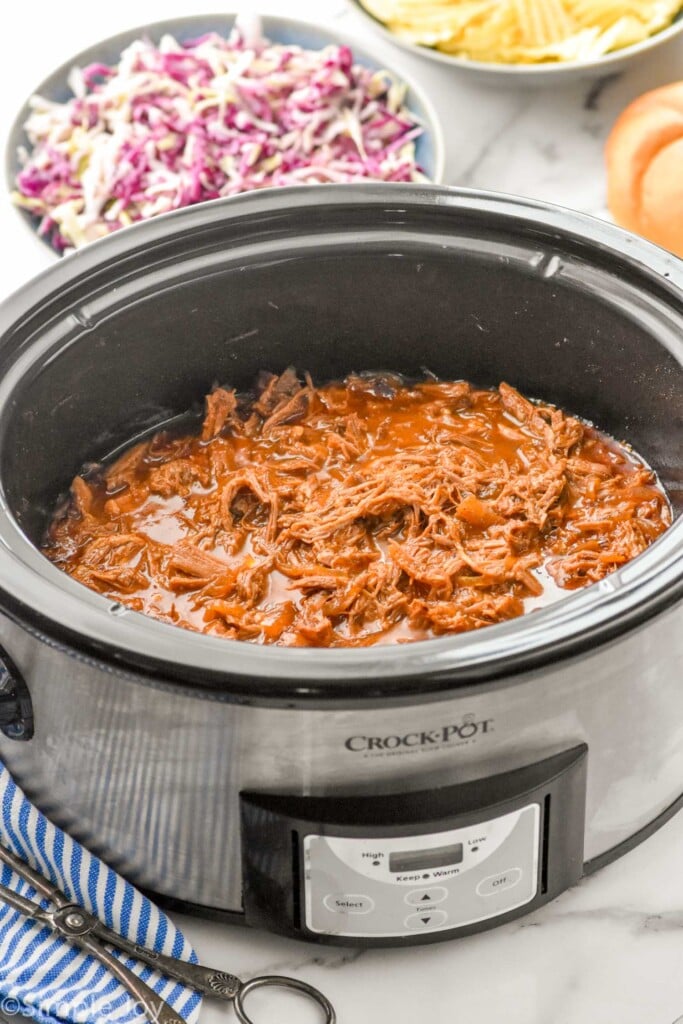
x=525, y=31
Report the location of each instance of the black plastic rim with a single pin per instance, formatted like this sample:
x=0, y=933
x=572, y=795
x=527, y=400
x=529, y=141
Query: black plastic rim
x=39, y=596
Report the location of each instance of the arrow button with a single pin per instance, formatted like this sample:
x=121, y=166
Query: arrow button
x=422, y=922
x=426, y=897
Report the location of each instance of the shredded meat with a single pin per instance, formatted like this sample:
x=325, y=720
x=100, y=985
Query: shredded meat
x=221, y=406
x=361, y=512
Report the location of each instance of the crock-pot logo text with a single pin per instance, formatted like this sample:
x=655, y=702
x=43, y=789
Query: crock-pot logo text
x=469, y=729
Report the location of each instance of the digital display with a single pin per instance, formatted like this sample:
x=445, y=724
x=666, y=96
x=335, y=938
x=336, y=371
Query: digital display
x=421, y=860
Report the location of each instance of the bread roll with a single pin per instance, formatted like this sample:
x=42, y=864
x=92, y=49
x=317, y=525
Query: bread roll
x=645, y=167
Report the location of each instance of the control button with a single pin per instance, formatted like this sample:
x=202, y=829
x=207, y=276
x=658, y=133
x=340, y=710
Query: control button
x=426, y=920
x=426, y=897
x=496, y=883
x=345, y=903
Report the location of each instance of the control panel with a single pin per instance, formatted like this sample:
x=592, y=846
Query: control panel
x=401, y=868
x=407, y=884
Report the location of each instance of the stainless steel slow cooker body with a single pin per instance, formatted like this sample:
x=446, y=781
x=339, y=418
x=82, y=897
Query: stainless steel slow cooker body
x=170, y=753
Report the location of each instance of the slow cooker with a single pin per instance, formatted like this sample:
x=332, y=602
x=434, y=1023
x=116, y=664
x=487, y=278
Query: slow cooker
x=382, y=795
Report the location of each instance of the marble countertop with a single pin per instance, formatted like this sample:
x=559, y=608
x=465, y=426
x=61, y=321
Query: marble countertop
x=609, y=951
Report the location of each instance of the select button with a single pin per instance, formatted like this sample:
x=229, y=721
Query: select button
x=496, y=883
x=426, y=897
x=349, y=903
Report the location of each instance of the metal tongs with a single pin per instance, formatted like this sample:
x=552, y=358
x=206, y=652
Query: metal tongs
x=78, y=926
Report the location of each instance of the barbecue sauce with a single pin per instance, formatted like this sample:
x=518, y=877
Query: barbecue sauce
x=367, y=511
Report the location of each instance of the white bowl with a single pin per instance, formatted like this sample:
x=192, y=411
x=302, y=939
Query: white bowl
x=430, y=149
x=558, y=72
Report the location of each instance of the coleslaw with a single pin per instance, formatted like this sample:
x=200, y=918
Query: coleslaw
x=179, y=123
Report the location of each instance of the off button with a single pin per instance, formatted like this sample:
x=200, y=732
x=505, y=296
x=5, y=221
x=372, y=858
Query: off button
x=349, y=903
x=496, y=883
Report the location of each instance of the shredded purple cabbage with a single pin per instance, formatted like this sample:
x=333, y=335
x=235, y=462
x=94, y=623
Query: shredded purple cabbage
x=180, y=123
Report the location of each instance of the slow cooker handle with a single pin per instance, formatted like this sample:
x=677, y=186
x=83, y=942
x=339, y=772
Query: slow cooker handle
x=16, y=707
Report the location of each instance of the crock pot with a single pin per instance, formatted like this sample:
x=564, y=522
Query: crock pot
x=380, y=795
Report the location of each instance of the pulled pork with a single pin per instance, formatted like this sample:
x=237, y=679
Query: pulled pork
x=355, y=513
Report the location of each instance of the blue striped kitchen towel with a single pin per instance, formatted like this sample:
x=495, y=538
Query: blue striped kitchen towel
x=43, y=977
